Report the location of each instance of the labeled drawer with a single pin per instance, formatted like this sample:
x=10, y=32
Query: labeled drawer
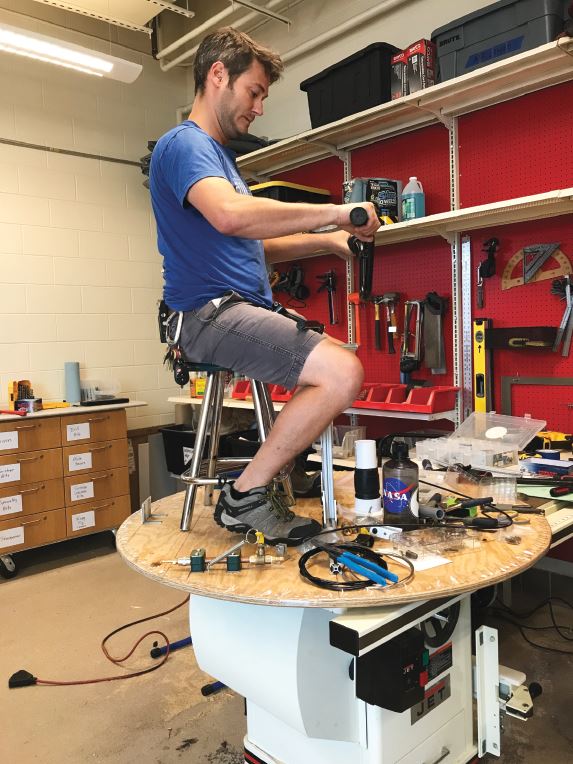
x=33, y=497
x=98, y=516
x=89, y=457
x=93, y=427
x=30, y=435
x=103, y=485
x=32, y=531
x=30, y=468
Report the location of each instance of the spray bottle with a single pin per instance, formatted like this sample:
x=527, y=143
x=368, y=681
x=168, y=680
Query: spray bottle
x=400, y=488
x=413, y=200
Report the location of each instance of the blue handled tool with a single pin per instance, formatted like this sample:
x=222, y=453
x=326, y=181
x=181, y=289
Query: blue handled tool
x=349, y=559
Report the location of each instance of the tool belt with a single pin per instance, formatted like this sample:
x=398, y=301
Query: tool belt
x=171, y=322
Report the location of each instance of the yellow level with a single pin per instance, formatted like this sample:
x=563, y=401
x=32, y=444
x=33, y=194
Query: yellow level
x=483, y=400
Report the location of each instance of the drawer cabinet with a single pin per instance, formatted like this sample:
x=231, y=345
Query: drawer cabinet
x=18, y=437
x=31, y=498
x=93, y=427
x=32, y=530
x=93, y=517
x=62, y=476
x=88, y=457
x=30, y=467
x=101, y=485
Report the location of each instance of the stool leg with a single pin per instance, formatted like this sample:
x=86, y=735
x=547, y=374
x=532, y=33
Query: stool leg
x=200, y=437
x=265, y=416
x=215, y=419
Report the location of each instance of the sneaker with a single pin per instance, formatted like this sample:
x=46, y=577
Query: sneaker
x=265, y=510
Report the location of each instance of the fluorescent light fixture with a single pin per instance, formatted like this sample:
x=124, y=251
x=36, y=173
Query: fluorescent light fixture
x=52, y=51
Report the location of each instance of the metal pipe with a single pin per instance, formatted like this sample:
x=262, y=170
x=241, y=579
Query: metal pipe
x=165, y=67
x=345, y=26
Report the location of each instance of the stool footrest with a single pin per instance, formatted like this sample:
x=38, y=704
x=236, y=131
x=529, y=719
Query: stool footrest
x=224, y=463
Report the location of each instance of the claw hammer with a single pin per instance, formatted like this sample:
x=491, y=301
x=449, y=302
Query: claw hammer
x=389, y=300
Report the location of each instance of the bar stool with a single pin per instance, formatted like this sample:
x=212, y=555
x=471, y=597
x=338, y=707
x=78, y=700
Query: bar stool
x=205, y=472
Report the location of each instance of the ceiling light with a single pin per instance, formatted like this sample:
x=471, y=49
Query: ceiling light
x=52, y=51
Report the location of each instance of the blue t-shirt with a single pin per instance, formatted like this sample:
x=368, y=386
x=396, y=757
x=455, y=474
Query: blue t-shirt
x=199, y=263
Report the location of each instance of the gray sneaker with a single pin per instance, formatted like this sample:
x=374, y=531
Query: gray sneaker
x=265, y=510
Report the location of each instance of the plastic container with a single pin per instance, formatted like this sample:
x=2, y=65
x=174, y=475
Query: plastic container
x=413, y=200
x=495, y=32
x=290, y=192
x=400, y=488
x=483, y=440
x=353, y=84
x=343, y=439
x=178, y=444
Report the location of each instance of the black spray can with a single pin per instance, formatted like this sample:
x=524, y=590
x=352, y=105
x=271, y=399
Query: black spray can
x=400, y=488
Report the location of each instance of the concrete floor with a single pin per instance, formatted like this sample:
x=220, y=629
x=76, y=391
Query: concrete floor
x=67, y=597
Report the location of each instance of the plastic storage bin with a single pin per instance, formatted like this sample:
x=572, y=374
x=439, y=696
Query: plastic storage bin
x=495, y=32
x=178, y=444
x=290, y=192
x=483, y=440
x=343, y=439
x=353, y=84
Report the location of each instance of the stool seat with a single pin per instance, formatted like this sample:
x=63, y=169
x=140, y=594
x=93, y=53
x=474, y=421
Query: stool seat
x=210, y=368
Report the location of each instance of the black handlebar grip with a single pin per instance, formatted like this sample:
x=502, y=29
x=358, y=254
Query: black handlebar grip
x=358, y=216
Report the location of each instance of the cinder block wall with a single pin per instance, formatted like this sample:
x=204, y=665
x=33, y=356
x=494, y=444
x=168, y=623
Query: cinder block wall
x=80, y=274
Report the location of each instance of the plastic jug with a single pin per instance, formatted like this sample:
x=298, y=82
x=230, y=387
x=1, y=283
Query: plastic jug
x=413, y=200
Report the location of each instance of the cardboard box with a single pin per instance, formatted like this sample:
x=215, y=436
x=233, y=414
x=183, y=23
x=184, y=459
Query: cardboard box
x=420, y=65
x=398, y=79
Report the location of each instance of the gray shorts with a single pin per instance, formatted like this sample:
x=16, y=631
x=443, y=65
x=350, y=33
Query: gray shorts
x=248, y=340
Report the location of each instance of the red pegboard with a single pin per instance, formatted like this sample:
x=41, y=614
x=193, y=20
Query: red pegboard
x=526, y=305
x=517, y=148
x=423, y=153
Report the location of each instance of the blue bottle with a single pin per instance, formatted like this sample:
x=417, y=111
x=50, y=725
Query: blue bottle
x=413, y=200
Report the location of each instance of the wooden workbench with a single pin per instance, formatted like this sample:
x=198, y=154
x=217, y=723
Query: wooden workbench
x=144, y=546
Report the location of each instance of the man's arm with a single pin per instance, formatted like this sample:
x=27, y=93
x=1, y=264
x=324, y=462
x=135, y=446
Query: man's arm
x=251, y=217
x=301, y=245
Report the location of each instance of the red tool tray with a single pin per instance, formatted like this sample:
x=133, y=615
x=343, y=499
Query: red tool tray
x=420, y=400
x=242, y=392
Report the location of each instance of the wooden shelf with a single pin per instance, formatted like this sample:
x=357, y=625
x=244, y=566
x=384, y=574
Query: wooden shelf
x=446, y=224
x=236, y=404
x=533, y=70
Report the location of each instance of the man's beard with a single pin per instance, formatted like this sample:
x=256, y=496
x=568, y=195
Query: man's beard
x=226, y=118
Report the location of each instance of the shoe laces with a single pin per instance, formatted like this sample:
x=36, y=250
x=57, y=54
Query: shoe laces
x=279, y=504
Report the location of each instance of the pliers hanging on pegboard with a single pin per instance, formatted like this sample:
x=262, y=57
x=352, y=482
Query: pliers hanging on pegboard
x=562, y=287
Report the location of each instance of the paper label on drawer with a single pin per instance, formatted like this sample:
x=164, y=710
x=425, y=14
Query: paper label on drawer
x=79, y=461
x=10, y=504
x=83, y=520
x=9, y=473
x=187, y=454
x=78, y=431
x=8, y=440
x=82, y=491
x=12, y=537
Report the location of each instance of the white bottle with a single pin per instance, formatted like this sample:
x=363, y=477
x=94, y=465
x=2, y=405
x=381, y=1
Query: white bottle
x=413, y=200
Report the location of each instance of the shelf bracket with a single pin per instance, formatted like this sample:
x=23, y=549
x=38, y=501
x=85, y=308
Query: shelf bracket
x=447, y=121
x=336, y=152
x=258, y=178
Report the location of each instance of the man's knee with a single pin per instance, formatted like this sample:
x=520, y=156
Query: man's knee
x=336, y=369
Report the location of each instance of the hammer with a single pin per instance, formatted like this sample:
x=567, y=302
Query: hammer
x=389, y=300
x=377, y=340
x=354, y=299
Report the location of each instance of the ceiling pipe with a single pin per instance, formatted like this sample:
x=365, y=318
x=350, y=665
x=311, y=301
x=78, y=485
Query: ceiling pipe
x=346, y=26
x=209, y=24
x=378, y=10
x=166, y=66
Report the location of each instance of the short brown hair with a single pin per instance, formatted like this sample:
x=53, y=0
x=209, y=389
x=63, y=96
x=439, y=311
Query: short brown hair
x=236, y=51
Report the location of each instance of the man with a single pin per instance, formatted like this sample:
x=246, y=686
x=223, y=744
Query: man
x=214, y=237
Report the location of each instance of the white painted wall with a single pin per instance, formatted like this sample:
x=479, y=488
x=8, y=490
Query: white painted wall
x=402, y=23
x=80, y=274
